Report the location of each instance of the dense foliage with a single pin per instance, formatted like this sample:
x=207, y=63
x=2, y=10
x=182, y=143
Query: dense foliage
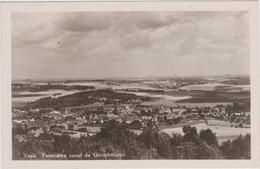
x=150, y=144
x=38, y=88
x=84, y=98
x=237, y=148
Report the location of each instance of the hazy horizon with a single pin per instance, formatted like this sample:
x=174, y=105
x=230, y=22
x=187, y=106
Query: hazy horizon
x=94, y=45
x=129, y=78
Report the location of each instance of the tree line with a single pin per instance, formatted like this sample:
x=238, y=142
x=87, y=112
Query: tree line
x=150, y=144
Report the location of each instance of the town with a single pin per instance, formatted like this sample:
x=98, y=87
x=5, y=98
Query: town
x=88, y=119
x=84, y=111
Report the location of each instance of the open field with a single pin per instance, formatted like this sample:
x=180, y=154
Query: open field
x=235, y=95
x=33, y=96
x=18, y=104
x=213, y=96
x=218, y=123
x=217, y=87
x=204, y=104
x=196, y=95
x=158, y=102
x=203, y=87
x=222, y=133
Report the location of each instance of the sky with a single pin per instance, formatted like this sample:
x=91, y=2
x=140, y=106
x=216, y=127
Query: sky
x=83, y=45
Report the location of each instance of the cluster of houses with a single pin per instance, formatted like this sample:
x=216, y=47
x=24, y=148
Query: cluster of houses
x=88, y=120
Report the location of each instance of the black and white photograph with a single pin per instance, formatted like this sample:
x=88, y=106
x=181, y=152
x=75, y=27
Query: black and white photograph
x=136, y=84
x=130, y=85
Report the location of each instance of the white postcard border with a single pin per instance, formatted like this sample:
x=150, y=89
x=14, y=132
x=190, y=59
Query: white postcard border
x=8, y=8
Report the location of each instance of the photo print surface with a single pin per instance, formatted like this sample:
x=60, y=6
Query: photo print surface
x=130, y=85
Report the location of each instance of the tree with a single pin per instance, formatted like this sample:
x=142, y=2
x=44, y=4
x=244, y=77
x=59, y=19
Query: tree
x=156, y=110
x=241, y=147
x=188, y=110
x=117, y=138
x=226, y=149
x=19, y=130
x=237, y=149
x=190, y=134
x=209, y=137
x=187, y=150
x=62, y=144
x=204, y=151
x=228, y=109
x=158, y=142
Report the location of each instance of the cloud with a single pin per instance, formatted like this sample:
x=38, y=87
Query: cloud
x=84, y=44
x=85, y=22
x=152, y=20
x=32, y=28
x=137, y=40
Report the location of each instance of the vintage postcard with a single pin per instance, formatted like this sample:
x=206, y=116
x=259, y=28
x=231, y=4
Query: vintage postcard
x=131, y=84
